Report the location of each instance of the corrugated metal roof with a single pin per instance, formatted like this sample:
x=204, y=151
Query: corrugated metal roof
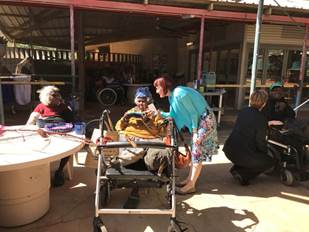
x=298, y=4
x=49, y=26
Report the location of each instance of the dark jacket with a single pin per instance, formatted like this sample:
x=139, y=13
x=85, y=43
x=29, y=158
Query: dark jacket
x=278, y=109
x=248, y=138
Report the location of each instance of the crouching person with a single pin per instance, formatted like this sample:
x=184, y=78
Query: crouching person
x=246, y=147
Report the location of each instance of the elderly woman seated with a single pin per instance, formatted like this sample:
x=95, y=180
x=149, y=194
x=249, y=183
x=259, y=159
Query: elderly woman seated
x=52, y=109
x=141, y=123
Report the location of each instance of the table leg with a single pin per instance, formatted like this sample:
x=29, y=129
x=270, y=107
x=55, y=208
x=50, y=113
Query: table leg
x=24, y=195
x=220, y=109
x=69, y=167
x=1, y=107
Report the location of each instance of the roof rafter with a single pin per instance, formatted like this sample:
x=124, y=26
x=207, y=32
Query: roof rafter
x=159, y=10
x=39, y=20
x=35, y=21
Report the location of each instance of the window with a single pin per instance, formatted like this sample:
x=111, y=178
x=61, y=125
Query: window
x=293, y=67
x=259, y=70
x=274, y=65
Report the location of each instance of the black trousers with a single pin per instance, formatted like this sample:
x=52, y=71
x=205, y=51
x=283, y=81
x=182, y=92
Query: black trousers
x=251, y=168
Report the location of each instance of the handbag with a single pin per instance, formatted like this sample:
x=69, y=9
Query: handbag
x=181, y=160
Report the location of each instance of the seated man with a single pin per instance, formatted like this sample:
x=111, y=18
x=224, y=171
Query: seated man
x=277, y=109
x=147, y=126
x=280, y=115
x=52, y=107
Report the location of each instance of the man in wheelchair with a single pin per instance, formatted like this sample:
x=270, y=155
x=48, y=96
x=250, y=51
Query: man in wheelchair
x=284, y=127
x=277, y=109
x=281, y=116
x=138, y=124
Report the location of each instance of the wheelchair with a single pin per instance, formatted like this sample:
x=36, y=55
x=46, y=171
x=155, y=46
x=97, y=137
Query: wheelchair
x=291, y=153
x=110, y=177
x=111, y=94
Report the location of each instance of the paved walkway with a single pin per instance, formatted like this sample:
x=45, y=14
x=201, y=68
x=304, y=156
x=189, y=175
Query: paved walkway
x=219, y=205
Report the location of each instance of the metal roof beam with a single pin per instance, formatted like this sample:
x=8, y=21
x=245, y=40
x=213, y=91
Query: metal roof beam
x=14, y=15
x=5, y=31
x=159, y=10
x=43, y=17
x=40, y=20
x=37, y=21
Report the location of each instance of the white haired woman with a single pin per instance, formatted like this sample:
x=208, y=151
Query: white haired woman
x=52, y=106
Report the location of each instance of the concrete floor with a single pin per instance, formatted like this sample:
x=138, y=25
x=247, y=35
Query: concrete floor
x=219, y=204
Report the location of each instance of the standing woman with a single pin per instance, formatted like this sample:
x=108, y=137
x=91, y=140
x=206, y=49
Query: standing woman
x=189, y=109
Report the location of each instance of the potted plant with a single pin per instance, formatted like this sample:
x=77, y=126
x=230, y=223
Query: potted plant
x=3, y=42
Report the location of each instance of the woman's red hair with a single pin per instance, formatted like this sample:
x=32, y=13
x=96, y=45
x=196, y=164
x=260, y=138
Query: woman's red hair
x=164, y=82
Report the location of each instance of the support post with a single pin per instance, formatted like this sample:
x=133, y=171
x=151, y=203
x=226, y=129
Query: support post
x=1, y=107
x=256, y=45
x=200, y=52
x=72, y=49
x=81, y=62
x=302, y=68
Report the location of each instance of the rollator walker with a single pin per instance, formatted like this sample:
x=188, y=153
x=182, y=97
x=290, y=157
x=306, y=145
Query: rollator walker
x=110, y=177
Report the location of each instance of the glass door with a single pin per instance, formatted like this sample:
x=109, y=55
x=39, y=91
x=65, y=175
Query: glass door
x=274, y=61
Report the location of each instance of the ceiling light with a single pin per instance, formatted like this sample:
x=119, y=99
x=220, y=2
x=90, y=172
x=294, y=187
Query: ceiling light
x=188, y=44
x=188, y=16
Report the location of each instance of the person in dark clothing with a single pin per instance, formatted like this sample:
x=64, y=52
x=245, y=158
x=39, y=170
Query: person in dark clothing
x=281, y=116
x=277, y=109
x=246, y=146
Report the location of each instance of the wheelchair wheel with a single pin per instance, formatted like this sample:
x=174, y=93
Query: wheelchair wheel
x=287, y=177
x=107, y=96
x=120, y=95
x=90, y=126
x=169, y=195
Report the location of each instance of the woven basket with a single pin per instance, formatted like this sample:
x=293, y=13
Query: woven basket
x=113, y=136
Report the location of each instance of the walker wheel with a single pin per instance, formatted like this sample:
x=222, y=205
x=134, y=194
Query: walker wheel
x=169, y=195
x=98, y=225
x=104, y=194
x=174, y=227
x=287, y=177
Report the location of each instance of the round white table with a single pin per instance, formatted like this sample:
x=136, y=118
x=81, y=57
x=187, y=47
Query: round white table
x=131, y=89
x=25, y=159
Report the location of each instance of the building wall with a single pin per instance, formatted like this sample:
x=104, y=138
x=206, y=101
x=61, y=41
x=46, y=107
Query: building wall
x=150, y=49
x=183, y=55
x=277, y=35
x=224, y=35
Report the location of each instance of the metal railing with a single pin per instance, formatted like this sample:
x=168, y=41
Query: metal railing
x=65, y=55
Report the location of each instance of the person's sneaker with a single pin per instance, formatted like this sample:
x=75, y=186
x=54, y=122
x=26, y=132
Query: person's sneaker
x=59, y=178
x=242, y=181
